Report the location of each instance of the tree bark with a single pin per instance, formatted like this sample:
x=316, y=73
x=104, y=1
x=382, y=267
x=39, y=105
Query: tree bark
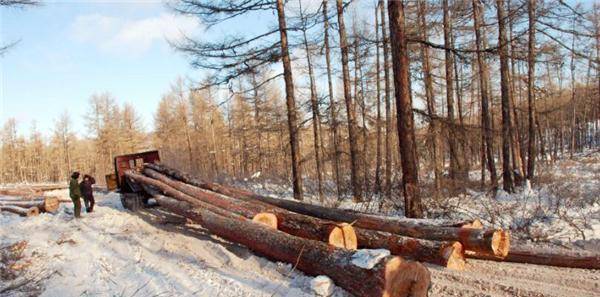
x=505, y=95
x=291, y=105
x=404, y=114
x=335, y=141
x=392, y=276
x=355, y=170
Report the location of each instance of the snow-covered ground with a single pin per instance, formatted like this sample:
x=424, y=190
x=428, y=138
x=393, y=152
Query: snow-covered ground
x=113, y=252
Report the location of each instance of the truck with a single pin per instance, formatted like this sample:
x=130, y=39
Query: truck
x=133, y=196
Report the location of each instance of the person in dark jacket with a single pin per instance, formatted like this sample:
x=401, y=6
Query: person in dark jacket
x=87, y=193
x=75, y=194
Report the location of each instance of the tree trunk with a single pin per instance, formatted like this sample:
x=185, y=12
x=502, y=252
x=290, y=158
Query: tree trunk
x=505, y=95
x=388, y=108
x=392, y=276
x=484, y=90
x=378, y=102
x=316, y=118
x=531, y=6
x=289, y=222
x=291, y=105
x=404, y=115
x=335, y=142
x=355, y=170
x=456, y=166
x=429, y=95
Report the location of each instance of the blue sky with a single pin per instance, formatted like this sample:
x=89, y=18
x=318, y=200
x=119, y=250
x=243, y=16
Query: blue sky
x=70, y=50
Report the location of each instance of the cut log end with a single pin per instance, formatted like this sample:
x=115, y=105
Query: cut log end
x=51, y=204
x=501, y=243
x=267, y=219
x=405, y=278
x=454, y=255
x=343, y=236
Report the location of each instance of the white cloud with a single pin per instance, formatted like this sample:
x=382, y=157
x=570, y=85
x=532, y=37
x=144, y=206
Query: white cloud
x=114, y=34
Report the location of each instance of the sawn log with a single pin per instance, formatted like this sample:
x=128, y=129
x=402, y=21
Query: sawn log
x=485, y=241
x=392, y=276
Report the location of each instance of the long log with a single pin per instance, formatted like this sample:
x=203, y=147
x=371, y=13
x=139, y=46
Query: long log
x=447, y=254
x=494, y=242
x=443, y=253
x=292, y=223
x=545, y=256
x=47, y=204
x=392, y=276
x=24, y=212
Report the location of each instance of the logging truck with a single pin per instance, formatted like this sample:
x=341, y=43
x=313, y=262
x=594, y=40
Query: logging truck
x=132, y=195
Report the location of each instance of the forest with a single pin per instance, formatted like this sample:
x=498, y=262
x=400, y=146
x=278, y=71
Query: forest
x=394, y=102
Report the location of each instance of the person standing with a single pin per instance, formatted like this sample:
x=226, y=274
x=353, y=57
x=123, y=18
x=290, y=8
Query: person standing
x=87, y=192
x=75, y=194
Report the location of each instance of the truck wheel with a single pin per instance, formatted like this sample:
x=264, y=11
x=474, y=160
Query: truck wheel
x=132, y=202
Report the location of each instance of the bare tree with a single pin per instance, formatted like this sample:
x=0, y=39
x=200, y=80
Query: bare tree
x=406, y=126
x=355, y=170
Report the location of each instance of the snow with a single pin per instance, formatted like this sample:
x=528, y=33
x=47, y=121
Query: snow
x=322, y=286
x=115, y=252
x=368, y=258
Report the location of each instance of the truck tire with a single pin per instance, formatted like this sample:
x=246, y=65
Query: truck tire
x=132, y=201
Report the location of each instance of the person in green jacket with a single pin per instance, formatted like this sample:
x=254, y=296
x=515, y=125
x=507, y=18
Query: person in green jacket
x=75, y=193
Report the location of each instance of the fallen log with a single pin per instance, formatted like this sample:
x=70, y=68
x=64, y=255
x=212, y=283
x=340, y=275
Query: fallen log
x=289, y=222
x=493, y=242
x=24, y=212
x=447, y=254
x=48, y=204
x=392, y=276
x=443, y=253
x=545, y=256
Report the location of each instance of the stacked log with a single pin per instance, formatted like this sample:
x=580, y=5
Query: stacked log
x=295, y=224
x=43, y=204
x=447, y=254
x=484, y=241
x=391, y=276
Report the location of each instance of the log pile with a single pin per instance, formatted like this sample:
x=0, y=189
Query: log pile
x=29, y=207
x=322, y=240
x=319, y=243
